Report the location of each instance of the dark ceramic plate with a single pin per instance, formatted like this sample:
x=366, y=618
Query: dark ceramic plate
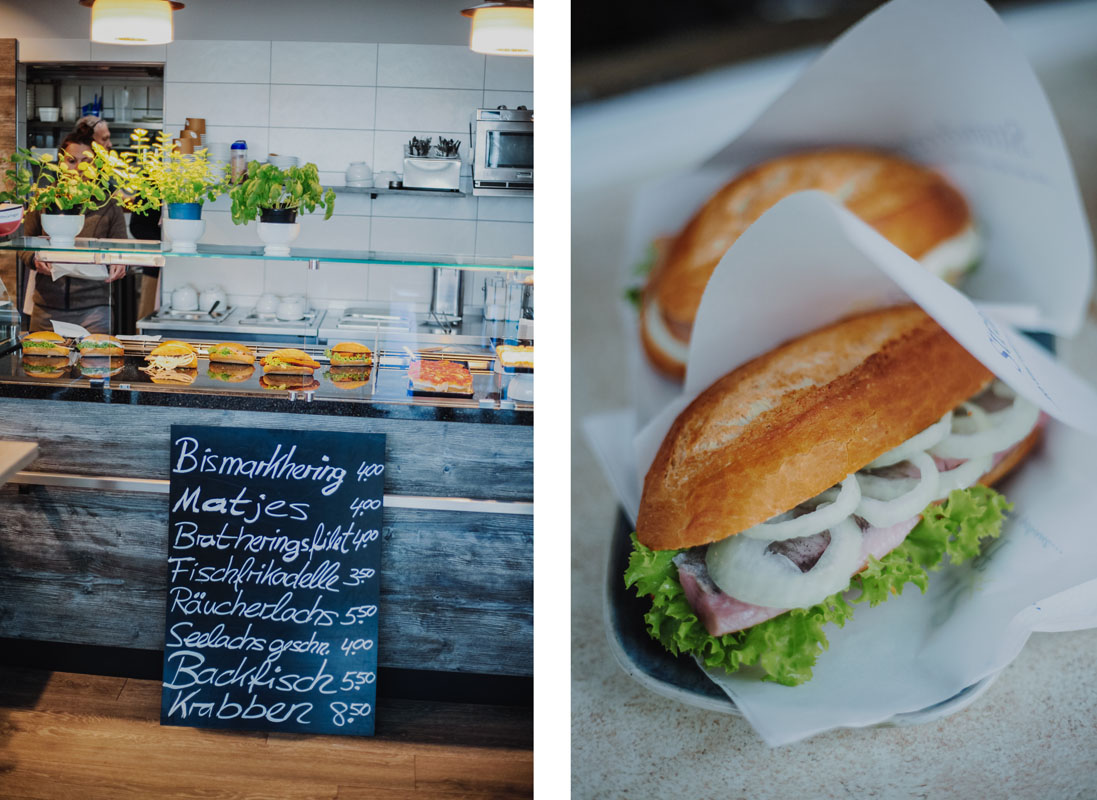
x=678, y=677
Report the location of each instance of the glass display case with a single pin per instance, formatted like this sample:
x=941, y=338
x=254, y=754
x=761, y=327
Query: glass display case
x=439, y=331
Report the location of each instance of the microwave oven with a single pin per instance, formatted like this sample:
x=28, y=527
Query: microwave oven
x=502, y=160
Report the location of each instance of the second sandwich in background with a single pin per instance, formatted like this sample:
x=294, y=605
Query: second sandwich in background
x=913, y=206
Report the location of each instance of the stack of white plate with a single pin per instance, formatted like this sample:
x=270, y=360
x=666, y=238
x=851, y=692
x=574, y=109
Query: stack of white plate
x=282, y=162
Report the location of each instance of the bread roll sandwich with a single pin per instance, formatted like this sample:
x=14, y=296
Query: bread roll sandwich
x=346, y=353
x=181, y=376
x=100, y=345
x=231, y=353
x=914, y=207
x=45, y=343
x=513, y=356
x=99, y=367
x=854, y=457
x=230, y=373
x=289, y=361
x=171, y=355
x=50, y=367
x=289, y=383
x=349, y=376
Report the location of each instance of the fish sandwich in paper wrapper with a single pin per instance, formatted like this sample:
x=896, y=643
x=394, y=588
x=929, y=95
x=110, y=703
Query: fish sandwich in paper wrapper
x=843, y=413
x=955, y=158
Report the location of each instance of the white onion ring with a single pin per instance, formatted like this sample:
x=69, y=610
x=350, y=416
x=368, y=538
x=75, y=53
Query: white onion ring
x=742, y=568
x=976, y=420
x=1003, y=430
x=966, y=474
x=883, y=513
x=918, y=443
x=825, y=514
x=962, y=476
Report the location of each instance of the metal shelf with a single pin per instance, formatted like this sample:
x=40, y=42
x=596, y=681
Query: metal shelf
x=374, y=191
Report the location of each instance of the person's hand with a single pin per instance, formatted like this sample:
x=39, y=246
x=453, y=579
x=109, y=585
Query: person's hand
x=42, y=266
x=116, y=271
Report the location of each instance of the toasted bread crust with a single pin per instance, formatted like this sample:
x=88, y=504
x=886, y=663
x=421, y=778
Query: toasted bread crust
x=914, y=207
x=793, y=422
x=240, y=354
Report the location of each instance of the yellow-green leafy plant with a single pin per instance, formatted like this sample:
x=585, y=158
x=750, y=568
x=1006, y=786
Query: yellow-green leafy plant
x=52, y=184
x=156, y=173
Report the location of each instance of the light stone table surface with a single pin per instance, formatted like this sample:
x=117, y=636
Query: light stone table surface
x=1032, y=734
x=14, y=456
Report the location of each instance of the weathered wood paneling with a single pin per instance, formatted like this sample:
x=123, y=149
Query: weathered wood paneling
x=455, y=459
x=89, y=567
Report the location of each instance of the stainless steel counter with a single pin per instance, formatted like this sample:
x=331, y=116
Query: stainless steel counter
x=329, y=325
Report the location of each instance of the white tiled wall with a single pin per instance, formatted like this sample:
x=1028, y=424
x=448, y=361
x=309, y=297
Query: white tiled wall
x=334, y=103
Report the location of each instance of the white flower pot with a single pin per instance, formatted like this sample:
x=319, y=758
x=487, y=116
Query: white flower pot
x=277, y=236
x=184, y=233
x=62, y=228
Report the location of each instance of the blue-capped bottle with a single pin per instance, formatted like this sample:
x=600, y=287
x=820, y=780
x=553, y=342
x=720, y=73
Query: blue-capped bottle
x=239, y=160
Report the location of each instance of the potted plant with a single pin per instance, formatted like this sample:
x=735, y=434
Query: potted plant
x=61, y=191
x=11, y=200
x=275, y=195
x=159, y=176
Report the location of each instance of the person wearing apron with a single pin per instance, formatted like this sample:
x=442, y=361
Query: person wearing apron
x=69, y=299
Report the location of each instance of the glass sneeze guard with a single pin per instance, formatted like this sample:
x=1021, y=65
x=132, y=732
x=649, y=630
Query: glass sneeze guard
x=150, y=253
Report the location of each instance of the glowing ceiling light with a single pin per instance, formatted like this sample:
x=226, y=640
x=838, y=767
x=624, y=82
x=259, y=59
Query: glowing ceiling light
x=131, y=21
x=502, y=27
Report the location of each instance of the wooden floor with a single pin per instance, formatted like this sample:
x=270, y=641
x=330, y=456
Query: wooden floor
x=87, y=737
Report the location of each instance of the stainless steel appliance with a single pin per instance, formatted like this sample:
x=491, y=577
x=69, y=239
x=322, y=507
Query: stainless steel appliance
x=502, y=158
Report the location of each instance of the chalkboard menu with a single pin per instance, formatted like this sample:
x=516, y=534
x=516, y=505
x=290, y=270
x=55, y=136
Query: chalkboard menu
x=274, y=559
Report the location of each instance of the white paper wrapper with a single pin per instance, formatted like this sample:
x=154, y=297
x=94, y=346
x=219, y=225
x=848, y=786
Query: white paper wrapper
x=943, y=83
x=911, y=652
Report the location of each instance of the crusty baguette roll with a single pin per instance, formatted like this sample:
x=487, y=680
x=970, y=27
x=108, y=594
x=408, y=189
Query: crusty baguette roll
x=231, y=353
x=350, y=353
x=100, y=345
x=914, y=207
x=787, y=425
x=44, y=343
x=289, y=361
x=173, y=355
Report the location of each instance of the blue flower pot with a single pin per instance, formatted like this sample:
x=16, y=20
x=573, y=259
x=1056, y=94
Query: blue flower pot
x=184, y=210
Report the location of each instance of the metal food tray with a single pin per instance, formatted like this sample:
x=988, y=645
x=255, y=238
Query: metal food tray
x=175, y=315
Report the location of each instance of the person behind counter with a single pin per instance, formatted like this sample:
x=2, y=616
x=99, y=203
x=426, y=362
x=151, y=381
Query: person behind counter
x=142, y=226
x=76, y=300
x=92, y=129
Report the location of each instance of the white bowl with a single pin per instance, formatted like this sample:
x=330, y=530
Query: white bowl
x=267, y=303
x=62, y=228
x=11, y=217
x=185, y=298
x=290, y=310
x=277, y=236
x=281, y=161
x=184, y=233
x=211, y=295
x=49, y=113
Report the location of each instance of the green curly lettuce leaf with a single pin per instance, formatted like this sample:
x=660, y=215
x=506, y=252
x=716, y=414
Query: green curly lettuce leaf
x=786, y=647
x=634, y=294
